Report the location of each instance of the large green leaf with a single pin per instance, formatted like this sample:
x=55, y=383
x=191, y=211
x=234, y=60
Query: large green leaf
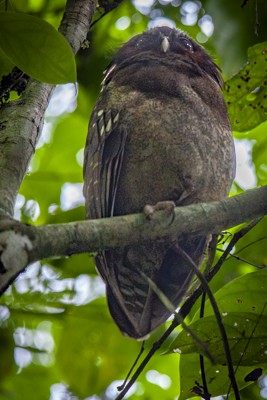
x=5, y=64
x=34, y=46
x=246, y=333
x=217, y=377
x=246, y=92
x=244, y=294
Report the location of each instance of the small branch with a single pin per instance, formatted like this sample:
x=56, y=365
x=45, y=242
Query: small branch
x=121, y=387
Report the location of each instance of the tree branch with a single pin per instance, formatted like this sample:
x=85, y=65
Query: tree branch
x=22, y=244
x=21, y=120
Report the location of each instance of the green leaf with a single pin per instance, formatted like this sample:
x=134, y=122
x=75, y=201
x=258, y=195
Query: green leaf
x=35, y=47
x=246, y=333
x=246, y=92
x=243, y=298
x=6, y=65
x=217, y=377
x=244, y=294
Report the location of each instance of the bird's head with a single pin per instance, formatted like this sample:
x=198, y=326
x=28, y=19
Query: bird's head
x=165, y=45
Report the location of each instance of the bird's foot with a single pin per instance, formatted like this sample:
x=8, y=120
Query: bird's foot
x=168, y=206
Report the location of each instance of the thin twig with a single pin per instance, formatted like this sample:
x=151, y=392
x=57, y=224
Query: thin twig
x=211, y=256
x=121, y=387
x=201, y=358
x=251, y=244
x=237, y=236
x=242, y=259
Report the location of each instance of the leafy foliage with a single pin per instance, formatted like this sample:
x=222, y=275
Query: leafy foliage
x=56, y=332
x=246, y=92
x=242, y=303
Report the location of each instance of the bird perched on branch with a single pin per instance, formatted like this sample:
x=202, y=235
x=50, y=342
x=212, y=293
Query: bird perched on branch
x=159, y=132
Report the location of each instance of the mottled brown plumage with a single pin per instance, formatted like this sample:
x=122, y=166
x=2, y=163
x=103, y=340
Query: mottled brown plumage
x=159, y=131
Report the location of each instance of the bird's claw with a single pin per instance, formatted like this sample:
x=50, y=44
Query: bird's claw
x=168, y=206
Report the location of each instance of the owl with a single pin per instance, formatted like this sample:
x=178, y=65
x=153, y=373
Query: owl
x=159, y=132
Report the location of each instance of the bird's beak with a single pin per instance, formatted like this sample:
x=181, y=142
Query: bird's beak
x=165, y=44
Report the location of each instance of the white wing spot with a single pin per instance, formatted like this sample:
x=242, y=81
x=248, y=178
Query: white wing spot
x=108, y=127
x=116, y=118
x=102, y=130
